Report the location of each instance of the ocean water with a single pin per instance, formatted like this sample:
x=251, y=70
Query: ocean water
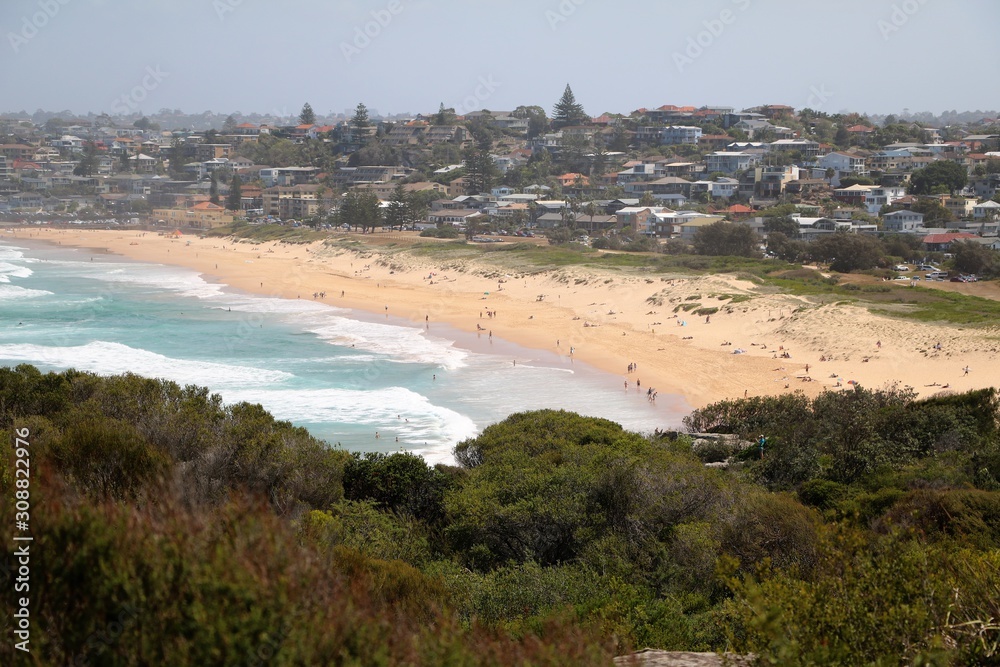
x=342, y=374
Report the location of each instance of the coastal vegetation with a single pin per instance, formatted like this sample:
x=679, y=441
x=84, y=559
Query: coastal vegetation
x=857, y=527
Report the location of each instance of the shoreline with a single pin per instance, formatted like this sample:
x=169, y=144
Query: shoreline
x=608, y=319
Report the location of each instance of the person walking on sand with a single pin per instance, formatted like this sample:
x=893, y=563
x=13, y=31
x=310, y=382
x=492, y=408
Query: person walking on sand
x=966, y=369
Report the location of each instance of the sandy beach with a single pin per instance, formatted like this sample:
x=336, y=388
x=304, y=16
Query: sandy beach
x=755, y=344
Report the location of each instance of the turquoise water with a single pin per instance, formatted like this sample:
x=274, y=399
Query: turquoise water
x=342, y=374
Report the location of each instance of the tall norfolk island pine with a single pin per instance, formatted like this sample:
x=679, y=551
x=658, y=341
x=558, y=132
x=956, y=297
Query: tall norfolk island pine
x=568, y=111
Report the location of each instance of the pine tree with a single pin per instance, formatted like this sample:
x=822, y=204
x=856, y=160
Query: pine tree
x=360, y=123
x=306, y=116
x=88, y=163
x=568, y=111
x=360, y=120
x=395, y=213
x=235, y=197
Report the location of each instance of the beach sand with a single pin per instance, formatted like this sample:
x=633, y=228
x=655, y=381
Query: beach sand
x=609, y=319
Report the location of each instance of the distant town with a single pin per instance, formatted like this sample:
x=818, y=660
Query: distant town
x=655, y=176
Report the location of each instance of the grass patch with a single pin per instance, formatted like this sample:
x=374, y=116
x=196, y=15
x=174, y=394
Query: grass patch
x=265, y=233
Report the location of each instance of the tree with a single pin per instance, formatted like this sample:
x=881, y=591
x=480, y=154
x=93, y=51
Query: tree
x=647, y=199
x=568, y=111
x=213, y=190
x=848, y=252
x=360, y=121
x=360, y=209
x=971, y=257
x=842, y=138
x=396, y=212
x=727, y=238
x=444, y=116
x=538, y=122
x=235, y=196
x=88, y=163
x=783, y=224
x=145, y=125
x=941, y=175
x=480, y=169
x=229, y=124
x=307, y=116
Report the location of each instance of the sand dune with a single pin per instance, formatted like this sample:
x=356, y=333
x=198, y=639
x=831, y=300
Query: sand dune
x=609, y=319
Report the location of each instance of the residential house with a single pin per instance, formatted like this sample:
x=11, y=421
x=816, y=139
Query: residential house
x=982, y=143
x=456, y=217
x=346, y=176
x=844, y=163
x=292, y=201
x=770, y=180
x=807, y=147
x=714, y=142
x=987, y=210
x=961, y=207
x=17, y=152
x=854, y=195
x=902, y=221
x=883, y=195
x=942, y=242
x=680, y=134
x=143, y=164
x=730, y=163
x=5, y=168
x=203, y=152
x=986, y=187
x=205, y=215
x=668, y=185
x=685, y=224
x=680, y=168
x=637, y=218
x=572, y=179
x=641, y=172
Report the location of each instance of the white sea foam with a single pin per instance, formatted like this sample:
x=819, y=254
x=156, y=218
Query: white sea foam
x=10, y=252
x=274, y=305
x=160, y=277
x=106, y=358
x=393, y=412
x=13, y=292
x=398, y=343
x=8, y=271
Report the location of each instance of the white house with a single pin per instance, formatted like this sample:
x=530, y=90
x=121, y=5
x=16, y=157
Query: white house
x=902, y=221
x=883, y=196
x=730, y=163
x=680, y=134
x=842, y=162
x=986, y=210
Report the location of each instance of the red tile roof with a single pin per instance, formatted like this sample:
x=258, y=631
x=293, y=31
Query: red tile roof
x=948, y=238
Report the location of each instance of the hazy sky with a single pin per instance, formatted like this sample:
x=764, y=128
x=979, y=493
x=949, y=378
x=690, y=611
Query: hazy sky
x=267, y=56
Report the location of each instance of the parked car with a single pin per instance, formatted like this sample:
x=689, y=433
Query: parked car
x=901, y=267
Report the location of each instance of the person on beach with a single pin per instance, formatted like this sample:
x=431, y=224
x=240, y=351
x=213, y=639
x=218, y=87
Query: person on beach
x=966, y=369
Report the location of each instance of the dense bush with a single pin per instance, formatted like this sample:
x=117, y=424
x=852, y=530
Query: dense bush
x=173, y=529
